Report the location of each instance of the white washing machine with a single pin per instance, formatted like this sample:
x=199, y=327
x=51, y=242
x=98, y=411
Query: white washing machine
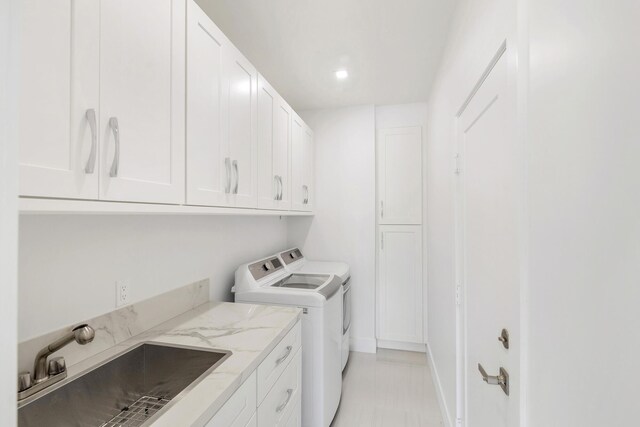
x=320, y=297
x=295, y=261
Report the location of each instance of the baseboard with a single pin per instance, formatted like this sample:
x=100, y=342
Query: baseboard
x=362, y=345
x=399, y=345
x=439, y=392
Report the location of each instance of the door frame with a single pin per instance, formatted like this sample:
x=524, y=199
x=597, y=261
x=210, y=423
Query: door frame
x=516, y=77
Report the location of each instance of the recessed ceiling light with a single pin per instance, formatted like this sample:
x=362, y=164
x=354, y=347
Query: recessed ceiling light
x=341, y=74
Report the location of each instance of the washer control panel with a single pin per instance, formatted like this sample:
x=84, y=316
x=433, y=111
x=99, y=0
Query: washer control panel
x=290, y=256
x=265, y=267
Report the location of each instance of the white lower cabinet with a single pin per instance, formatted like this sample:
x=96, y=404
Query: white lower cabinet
x=240, y=409
x=271, y=396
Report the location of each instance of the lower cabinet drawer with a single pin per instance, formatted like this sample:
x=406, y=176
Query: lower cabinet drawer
x=275, y=363
x=239, y=409
x=285, y=396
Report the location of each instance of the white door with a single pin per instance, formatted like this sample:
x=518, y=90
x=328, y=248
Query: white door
x=297, y=163
x=142, y=95
x=400, y=284
x=208, y=164
x=282, y=152
x=268, y=180
x=400, y=175
x=488, y=248
x=59, y=96
x=240, y=126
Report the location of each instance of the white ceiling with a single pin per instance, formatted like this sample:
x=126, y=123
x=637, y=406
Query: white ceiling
x=391, y=48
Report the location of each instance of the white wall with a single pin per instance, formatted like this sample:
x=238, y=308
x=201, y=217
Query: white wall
x=68, y=264
x=478, y=29
x=584, y=263
x=344, y=225
x=8, y=211
x=406, y=115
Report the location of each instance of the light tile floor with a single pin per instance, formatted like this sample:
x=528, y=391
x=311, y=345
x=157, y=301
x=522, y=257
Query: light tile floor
x=388, y=389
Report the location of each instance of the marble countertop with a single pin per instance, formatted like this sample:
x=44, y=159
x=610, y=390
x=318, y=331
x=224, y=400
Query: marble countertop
x=249, y=331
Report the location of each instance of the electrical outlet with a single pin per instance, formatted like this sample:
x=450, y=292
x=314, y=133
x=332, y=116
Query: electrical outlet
x=122, y=292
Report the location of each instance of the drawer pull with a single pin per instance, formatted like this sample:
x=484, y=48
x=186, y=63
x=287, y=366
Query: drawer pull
x=286, y=401
x=286, y=354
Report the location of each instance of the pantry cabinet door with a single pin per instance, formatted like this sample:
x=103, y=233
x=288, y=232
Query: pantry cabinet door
x=58, y=102
x=282, y=152
x=268, y=180
x=208, y=164
x=142, y=100
x=240, y=126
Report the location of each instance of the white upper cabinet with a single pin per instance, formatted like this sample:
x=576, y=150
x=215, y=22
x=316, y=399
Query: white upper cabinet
x=208, y=164
x=400, y=175
x=240, y=126
x=59, y=97
x=302, y=165
x=142, y=83
x=222, y=138
x=274, y=140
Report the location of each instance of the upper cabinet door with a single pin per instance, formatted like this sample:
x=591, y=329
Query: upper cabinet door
x=240, y=126
x=400, y=175
x=298, y=193
x=142, y=100
x=208, y=164
x=268, y=179
x=309, y=169
x=282, y=152
x=59, y=109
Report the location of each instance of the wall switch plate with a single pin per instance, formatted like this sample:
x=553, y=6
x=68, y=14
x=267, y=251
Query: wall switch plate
x=122, y=292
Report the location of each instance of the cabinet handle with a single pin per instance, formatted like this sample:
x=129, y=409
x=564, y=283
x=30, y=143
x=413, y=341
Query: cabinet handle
x=91, y=161
x=277, y=187
x=284, y=404
x=305, y=199
x=281, y=187
x=235, y=168
x=381, y=209
x=284, y=356
x=113, y=124
x=227, y=166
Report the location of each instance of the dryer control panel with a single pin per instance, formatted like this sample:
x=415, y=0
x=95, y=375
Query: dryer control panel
x=265, y=267
x=290, y=256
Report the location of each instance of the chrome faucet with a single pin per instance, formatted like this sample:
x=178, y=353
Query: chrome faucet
x=45, y=374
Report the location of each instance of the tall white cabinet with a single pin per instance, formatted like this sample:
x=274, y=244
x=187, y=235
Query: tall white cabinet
x=303, y=171
x=399, y=213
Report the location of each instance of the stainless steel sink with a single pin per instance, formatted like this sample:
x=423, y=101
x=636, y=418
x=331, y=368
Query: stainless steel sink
x=131, y=389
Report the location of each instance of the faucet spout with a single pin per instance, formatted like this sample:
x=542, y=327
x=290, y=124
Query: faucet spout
x=82, y=334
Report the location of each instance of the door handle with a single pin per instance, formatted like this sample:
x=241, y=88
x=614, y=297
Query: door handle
x=502, y=379
x=277, y=184
x=113, y=124
x=281, y=187
x=91, y=162
x=381, y=209
x=286, y=400
x=227, y=166
x=237, y=173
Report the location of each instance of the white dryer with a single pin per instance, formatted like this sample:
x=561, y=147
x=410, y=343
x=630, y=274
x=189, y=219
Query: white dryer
x=295, y=261
x=320, y=297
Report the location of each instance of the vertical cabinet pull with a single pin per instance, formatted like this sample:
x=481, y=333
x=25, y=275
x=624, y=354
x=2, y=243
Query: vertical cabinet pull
x=305, y=199
x=237, y=173
x=227, y=166
x=284, y=404
x=276, y=180
x=381, y=209
x=91, y=161
x=281, y=187
x=113, y=124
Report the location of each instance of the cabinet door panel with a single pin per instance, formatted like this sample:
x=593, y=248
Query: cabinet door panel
x=241, y=123
x=268, y=184
x=297, y=163
x=208, y=179
x=58, y=85
x=400, y=176
x=142, y=86
x=400, y=283
x=309, y=169
x=282, y=151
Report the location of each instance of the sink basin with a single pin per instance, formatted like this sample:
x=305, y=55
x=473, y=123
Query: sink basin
x=132, y=389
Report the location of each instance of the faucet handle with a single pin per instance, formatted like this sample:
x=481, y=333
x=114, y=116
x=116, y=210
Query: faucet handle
x=24, y=381
x=57, y=365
